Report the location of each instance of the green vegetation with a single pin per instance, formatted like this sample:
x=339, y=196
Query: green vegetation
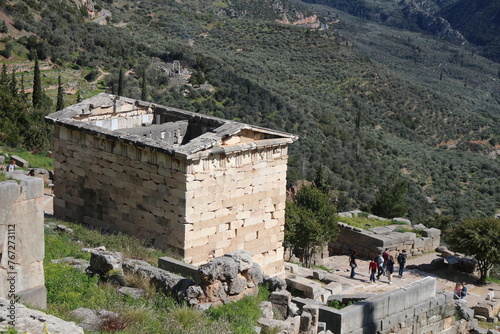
x=310, y=223
x=68, y=289
x=39, y=160
x=339, y=305
x=479, y=238
x=365, y=100
x=364, y=222
x=128, y=245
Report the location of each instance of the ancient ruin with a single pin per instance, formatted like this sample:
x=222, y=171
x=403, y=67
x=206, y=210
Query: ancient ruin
x=198, y=185
x=22, y=240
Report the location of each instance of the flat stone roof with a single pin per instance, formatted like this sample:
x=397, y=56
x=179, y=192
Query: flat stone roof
x=203, y=136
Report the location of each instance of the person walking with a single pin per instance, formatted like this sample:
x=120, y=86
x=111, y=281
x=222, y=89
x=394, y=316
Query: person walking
x=372, y=269
x=390, y=268
x=352, y=263
x=402, y=262
x=380, y=265
x=385, y=255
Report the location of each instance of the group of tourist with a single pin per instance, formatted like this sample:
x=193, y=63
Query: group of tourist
x=382, y=265
x=460, y=291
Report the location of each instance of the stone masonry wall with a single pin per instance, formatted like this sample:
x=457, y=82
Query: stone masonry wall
x=201, y=208
x=238, y=202
x=369, y=243
x=21, y=239
x=413, y=309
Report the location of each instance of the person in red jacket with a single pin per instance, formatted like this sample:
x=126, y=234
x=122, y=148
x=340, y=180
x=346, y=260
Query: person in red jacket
x=372, y=270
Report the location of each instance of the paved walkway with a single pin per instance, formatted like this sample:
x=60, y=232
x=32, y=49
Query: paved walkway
x=444, y=280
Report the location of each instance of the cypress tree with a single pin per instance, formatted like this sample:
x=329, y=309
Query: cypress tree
x=37, y=85
x=13, y=84
x=144, y=90
x=60, y=99
x=23, y=94
x=120, y=83
x=78, y=96
x=3, y=78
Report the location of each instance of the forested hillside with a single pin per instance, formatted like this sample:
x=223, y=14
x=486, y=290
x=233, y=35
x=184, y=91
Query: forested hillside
x=372, y=106
x=459, y=21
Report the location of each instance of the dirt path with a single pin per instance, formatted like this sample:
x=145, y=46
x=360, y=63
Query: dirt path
x=445, y=280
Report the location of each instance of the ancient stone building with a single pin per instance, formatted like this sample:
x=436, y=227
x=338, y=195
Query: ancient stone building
x=198, y=185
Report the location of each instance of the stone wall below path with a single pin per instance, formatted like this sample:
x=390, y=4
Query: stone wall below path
x=369, y=243
x=413, y=309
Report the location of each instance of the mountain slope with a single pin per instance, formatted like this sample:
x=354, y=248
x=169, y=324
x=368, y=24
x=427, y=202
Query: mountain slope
x=370, y=105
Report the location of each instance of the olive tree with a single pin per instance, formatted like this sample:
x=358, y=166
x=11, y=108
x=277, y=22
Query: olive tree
x=310, y=222
x=480, y=238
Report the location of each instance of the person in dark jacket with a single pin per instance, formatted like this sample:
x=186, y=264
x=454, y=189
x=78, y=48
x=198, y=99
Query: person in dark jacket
x=402, y=262
x=352, y=263
x=390, y=268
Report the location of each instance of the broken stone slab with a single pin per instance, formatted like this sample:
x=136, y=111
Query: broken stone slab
x=431, y=232
x=334, y=288
x=242, y=257
x=20, y=161
x=219, y=269
x=291, y=268
x=289, y=326
x=309, y=288
x=92, y=320
x=33, y=321
x=103, y=262
x=79, y=264
x=267, y=309
x=63, y=228
x=254, y=275
x=280, y=301
x=419, y=227
x=134, y=293
x=167, y=282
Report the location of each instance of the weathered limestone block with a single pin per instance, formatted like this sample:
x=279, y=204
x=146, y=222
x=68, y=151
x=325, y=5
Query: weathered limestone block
x=102, y=262
x=309, y=288
x=33, y=321
x=164, y=280
x=274, y=283
x=431, y=232
x=267, y=309
x=221, y=268
x=487, y=309
x=280, y=301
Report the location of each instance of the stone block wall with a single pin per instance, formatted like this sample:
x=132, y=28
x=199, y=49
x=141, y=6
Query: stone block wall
x=22, y=239
x=369, y=243
x=200, y=207
x=413, y=309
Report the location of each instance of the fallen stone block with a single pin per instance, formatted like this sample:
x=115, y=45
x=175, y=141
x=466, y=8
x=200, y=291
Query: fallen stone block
x=309, y=288
x=33, y=321
x=103, y=262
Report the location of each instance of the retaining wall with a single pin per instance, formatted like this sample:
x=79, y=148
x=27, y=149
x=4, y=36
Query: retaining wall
x=413, y=309
x=369, y=243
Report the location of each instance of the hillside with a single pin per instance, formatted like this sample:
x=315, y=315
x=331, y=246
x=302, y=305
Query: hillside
x=459, y=21
x=370, y=104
